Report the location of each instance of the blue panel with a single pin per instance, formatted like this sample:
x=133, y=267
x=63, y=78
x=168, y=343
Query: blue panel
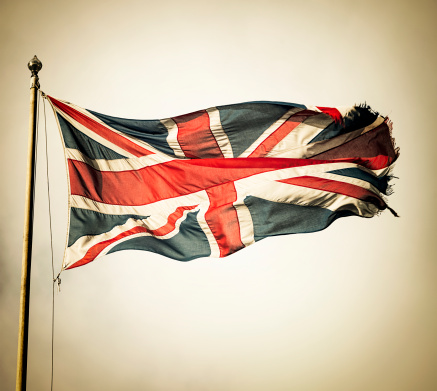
x=75, y=139
x=189, y=243
x=273, y=218
x=152, y=132
x=245, y=122
x=87, y=222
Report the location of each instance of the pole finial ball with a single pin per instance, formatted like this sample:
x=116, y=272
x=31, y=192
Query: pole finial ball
x=34, y=65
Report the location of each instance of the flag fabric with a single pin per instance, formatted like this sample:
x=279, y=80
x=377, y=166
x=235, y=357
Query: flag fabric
x=209, y=183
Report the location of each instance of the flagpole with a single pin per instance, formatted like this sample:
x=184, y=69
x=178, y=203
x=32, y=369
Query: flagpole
x=34, y=66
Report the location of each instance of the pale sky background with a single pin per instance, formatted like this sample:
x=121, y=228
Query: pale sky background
x=353, y=307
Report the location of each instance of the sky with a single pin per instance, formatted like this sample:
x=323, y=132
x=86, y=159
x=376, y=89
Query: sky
x=352, y=307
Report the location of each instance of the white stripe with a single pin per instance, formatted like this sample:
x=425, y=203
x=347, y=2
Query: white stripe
x=201, y=219
x=301, y=135
x=352, y=181
x=244, y=220
x=156, y=208
x=134, y=163
x=172, y=138
x=272, y=128
x=218, y=132
x=382, y=172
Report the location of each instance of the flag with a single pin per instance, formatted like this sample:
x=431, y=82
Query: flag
x=209, y=183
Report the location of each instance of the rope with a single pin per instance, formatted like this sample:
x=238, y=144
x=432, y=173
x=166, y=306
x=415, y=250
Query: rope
x=51, y=241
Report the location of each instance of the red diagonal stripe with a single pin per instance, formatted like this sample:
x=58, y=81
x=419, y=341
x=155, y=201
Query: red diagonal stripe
x=272, y=140
x=338, y=187
x=222, y=218
x=195, y=136
x=332, y=112
x=101, y=130
x=95, y=250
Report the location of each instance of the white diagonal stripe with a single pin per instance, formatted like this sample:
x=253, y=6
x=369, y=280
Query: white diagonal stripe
x=244, y=220
x=201, y=219
x=134, y=163
x=153, y=209
x=301, y=135
x=219, y=134
x=352, y=181
x=172, y=137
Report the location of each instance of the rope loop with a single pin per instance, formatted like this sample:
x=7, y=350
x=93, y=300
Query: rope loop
x=58, y=280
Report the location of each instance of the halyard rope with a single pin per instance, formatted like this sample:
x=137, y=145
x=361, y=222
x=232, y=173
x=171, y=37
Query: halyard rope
x=51, y=241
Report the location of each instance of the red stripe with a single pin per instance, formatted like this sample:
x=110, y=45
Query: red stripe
x=101, y=130
x=95, y=250
x=265, y=147
x=222, y=218
x=337, y=187
x=179, y=177
x=332, y=112
x=195, y=136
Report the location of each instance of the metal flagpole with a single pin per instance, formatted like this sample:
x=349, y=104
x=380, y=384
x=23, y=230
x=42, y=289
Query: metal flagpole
x=34, y=66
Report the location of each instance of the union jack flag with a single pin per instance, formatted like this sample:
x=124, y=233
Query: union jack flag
x=214, y=181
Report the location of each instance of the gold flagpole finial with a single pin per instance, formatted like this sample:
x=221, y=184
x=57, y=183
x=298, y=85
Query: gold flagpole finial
x=34, y=65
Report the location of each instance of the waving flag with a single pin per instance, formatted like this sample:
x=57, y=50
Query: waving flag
x=214, y=181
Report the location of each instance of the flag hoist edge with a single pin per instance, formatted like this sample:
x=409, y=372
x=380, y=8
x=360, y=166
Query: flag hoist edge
x=208, y=183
